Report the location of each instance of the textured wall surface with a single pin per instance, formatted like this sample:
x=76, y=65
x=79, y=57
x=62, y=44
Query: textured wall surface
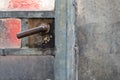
x=98, y=37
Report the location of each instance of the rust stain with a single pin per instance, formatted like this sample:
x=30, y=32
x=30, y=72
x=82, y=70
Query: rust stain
x=38, y=39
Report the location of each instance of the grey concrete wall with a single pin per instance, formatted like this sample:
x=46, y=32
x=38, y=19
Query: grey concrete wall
x=98, y=38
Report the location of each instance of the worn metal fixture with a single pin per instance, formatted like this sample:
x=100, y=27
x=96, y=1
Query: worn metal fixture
x=44, y=27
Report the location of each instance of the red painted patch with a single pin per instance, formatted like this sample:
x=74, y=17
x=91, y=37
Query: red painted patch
x=8, y=30
x=24, y=4
x=13, y=27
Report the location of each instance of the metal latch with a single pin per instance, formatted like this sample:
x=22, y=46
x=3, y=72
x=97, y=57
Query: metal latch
x=44, y=35
x=45, y=28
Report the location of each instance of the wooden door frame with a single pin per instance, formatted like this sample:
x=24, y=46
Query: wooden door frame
x=65, y=40
x=64, y=15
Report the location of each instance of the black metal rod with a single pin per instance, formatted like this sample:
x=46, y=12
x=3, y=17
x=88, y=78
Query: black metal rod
x=41, y=28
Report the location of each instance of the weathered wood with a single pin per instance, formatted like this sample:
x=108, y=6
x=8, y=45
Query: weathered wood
x=26, y=14
x=60, y=40
x=25, y=52
x=1, y=52
x=26, y=68
x=64, y=40
x=24, y=26
x=70, y=40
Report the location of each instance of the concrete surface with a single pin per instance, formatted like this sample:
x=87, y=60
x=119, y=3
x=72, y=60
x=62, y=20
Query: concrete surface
x=98, y=38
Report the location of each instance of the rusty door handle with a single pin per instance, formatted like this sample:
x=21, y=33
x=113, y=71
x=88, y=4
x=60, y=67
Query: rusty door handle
x=42, y=28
